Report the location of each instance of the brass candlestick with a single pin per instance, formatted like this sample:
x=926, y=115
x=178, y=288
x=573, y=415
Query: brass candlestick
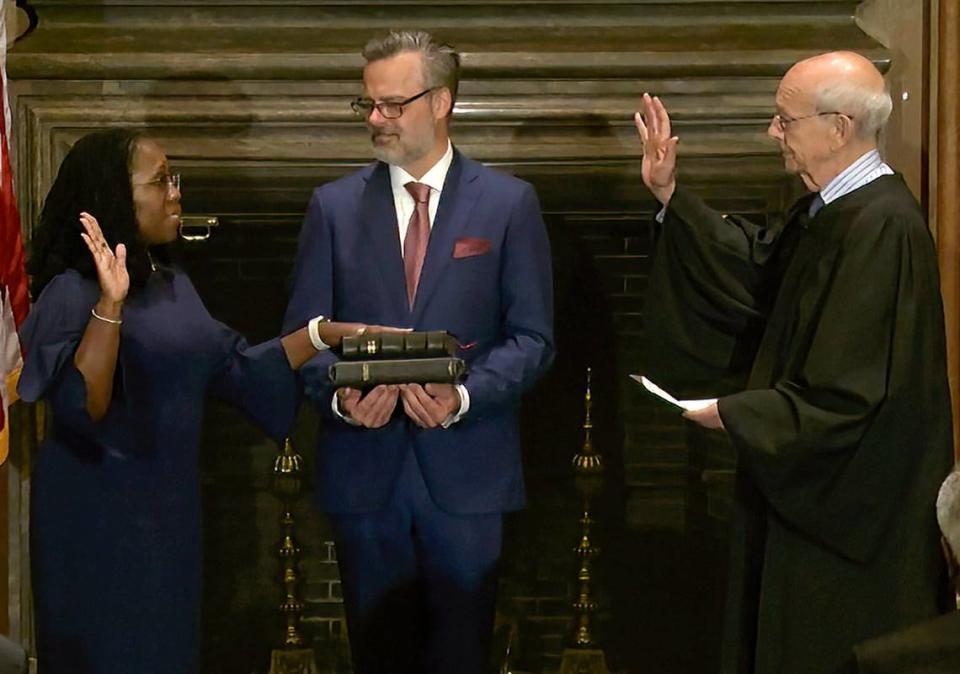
x=587, y=461
x=294, y=657
x=584, y=657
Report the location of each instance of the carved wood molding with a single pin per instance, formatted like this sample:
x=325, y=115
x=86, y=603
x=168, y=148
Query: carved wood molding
x=340, y=66
x=251, y=98
x=322, y=40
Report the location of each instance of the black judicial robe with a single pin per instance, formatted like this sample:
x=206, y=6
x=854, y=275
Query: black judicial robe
x=842, y=426
x=931, y=647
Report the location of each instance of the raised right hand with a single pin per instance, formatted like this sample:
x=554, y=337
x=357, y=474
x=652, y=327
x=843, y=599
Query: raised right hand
x=111, y=266
x=372, y=410
x=659, y=167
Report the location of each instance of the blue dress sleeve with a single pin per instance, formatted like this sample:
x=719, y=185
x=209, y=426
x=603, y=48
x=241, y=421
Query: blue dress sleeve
x=312, y=295
x=50, y=336
x=258, y=380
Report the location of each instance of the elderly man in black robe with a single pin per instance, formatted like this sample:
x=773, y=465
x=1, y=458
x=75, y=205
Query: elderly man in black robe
x=842, y=419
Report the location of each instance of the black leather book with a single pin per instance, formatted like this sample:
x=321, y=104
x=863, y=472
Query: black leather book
x=369, y=373
x=388, y=345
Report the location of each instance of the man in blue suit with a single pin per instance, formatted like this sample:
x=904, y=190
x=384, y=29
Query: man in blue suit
x=416, y=478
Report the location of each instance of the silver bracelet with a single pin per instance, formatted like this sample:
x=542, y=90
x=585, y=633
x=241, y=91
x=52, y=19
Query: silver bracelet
x=111, y=321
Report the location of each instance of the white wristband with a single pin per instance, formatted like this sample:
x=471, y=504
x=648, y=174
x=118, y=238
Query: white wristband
x=313, y=331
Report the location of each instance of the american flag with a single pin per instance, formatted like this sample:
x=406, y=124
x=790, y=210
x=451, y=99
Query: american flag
x=14, y=299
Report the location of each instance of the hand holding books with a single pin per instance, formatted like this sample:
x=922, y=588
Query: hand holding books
x=419, y=367
x=431, y=405
x=397, y=358
x=372, y=410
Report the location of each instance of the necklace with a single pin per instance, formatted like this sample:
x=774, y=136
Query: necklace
x=153, y=265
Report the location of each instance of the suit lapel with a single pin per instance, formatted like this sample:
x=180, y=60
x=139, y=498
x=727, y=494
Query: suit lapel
x=460, y=192
x=378, y=217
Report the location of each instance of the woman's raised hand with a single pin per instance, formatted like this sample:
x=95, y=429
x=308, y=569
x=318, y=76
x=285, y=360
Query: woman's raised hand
x=111, y=265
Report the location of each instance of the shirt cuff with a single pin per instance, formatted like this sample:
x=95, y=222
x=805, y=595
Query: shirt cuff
x=335, y=406
x=464, y=407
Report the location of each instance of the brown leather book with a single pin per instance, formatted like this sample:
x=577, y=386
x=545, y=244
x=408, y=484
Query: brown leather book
x=390, y=345
x=368, y=373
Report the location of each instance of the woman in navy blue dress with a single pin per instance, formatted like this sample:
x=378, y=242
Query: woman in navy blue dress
x=124, y=351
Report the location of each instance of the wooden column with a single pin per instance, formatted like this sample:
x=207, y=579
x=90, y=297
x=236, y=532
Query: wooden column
x=946, y=188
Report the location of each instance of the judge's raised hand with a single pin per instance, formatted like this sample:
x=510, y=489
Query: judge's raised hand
x=111, y=265
x=659, y=167
x=372, y=410
x=429, y=406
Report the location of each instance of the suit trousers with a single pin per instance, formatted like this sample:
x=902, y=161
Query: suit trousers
x=419, y=584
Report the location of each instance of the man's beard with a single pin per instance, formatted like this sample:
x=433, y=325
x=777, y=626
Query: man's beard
x=400, y=153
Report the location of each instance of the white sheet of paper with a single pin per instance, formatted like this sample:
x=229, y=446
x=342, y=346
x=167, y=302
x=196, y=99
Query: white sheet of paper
x=689, y=405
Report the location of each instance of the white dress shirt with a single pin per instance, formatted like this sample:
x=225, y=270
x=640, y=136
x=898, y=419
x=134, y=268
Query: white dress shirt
x=862, y=172
x=404, y=201
x=405, y=204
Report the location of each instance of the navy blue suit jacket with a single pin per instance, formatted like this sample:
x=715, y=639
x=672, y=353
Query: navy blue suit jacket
x=349, y=267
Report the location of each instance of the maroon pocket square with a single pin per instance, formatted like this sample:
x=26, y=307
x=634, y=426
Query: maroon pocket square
x=469, y=246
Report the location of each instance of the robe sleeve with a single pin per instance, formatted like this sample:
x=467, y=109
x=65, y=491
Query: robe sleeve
x=258, y=380
x=836, y=438
x=50, y=335
x=703, y=307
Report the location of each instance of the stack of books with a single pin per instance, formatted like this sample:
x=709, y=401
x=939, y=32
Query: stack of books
x=398, y=358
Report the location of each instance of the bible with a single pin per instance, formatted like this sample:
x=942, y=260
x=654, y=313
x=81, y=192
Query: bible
x=397, y=345
x=369, y=373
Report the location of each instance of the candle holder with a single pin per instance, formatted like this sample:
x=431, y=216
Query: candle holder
x=583, y=656
x=295, y=657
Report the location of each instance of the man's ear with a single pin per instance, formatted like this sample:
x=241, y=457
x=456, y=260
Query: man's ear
x=442, y=103
x=845, y=128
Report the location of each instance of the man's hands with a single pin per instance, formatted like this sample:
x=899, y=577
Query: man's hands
x=428, y=406
x=659, y=167
x=372, y=410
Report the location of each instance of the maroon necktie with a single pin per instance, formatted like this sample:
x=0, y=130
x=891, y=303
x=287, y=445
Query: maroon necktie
x=415, y=241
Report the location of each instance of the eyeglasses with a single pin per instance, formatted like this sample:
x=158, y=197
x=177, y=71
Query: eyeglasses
x=783, y=122
x=363, y=107
x=170, y=181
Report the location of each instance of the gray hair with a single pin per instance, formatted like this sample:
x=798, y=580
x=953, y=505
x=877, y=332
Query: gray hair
x=948, y=511
x=441, y=62
x=869, y=108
